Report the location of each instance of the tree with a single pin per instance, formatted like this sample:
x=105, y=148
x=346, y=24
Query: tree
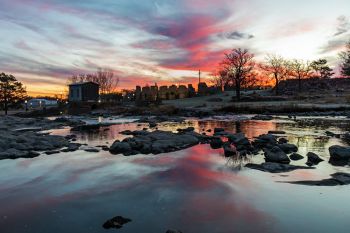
x=278, y=68
x=345, y=56
x=300, y=70
x=321, y=69
x=237, y=66
x=11, y=91
x=104, y=77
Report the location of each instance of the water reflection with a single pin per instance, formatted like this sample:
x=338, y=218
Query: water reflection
x=194, y=190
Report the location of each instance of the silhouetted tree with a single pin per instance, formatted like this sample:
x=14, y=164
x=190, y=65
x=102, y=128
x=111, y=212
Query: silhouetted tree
x=278, y=68
x=237, y=66
x=11, y=91
x=300, y=70
x=104, y=77
x=321, y=69
x=345, y=56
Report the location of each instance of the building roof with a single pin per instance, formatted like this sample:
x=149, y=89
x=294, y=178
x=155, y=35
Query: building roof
x=82, y=83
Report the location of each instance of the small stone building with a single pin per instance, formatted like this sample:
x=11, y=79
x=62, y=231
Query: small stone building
x=83, y=92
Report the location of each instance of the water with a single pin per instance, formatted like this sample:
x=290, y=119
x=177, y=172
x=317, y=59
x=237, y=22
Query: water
x=193, y=190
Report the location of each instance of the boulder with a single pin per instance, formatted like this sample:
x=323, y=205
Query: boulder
x=296, y=156
x=216, y=143
x=276, y=155
x=288, y=148
x=229, y=150
x=313, y=159
x=120, y=147
x=339, y=153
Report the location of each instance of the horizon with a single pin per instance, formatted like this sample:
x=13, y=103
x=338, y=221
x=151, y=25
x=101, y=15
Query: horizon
x=160, y=41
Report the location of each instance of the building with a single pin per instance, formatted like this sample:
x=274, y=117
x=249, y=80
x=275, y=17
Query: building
x=41, y=103
x=83, y=92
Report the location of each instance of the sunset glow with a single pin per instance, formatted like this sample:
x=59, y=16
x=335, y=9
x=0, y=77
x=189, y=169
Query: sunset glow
x=163, y=41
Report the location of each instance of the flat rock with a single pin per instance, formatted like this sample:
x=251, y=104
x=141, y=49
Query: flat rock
x=339, y=178
x=275, y=167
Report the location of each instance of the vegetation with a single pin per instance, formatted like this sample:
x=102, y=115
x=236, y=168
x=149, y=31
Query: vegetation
x=104, y=77
x=321, y=69
x=12, y=92
x=345, y=57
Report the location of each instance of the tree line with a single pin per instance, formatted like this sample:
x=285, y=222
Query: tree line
x=240, y=70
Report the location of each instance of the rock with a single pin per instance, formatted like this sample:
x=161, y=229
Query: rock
x=313, y=159
x=189, y=129
x=262, y=117
x=216, y=143
x=330, y=134
x=93, y=150
x=116, y=222
x=218, y=130
x=120, y=147
x=282, y=140
x=52, y=152
x=276, y=154
x=152, y=124
x=157, y=142
x=276, y=132
x=265, y=140
x=296, y=156
x=173, y=231
x=275, y=167
x=339, y=153
x=288, y=148
x=72, y=147
x=229, y=150
x=339, y=178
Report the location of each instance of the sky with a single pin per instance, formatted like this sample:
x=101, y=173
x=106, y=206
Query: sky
x=42, y=42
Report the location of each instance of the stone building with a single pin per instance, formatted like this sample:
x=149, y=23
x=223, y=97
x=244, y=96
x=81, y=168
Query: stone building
x=153, y=93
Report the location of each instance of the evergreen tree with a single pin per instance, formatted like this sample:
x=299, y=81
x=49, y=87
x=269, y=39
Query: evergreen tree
x=345, y=56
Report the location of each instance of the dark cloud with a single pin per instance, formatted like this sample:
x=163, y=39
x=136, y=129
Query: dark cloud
x=343, y=25
x=237, y=35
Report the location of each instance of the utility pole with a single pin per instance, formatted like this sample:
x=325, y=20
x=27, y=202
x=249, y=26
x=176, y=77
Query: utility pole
x=199, y=77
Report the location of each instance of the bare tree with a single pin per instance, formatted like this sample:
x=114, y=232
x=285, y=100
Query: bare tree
x=276, y=67
x=300, y=70
x=237, y=65
x=104, y=77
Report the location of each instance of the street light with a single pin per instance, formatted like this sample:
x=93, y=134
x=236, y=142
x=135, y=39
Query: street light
x=26, y=102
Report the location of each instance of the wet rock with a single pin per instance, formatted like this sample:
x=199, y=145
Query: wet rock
x=229, y=150
x=216, y=143
x=339, y=153
x=288, y=148
x=72, y=147
x=173, y=231
x=156, y=142
x=218, y=130
x=92, y=150
x=189, y=129
x=282, y=140
x=52, y=152
x=262, y=117
x=116, y=222
x=296, y=156
x=276, y=132
x=339, y=178
x=152, y=124
x=120, y=147
x=276, y=155
x=275, y=167
x=265, y=140
x=330, y=134
x=313, y=159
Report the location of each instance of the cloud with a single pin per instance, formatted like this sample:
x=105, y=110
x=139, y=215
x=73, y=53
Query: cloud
x=343, y=25
x=237, y=35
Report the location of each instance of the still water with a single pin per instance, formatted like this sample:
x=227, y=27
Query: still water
x=193, y=190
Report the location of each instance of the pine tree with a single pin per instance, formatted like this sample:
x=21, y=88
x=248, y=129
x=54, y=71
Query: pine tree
x=345, y=56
